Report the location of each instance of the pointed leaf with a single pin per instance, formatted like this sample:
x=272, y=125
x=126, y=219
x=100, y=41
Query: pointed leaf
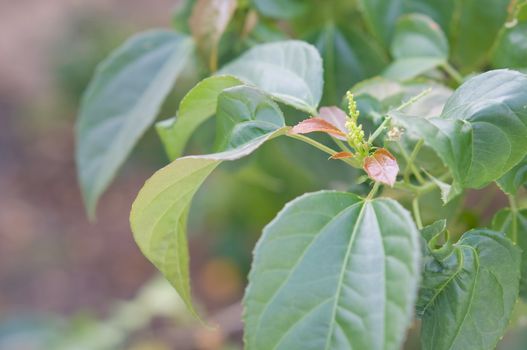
x=332, y=271
x=382, y=166
x=159, y=213
x=121, y=102
x=515, y=226
x=289, y=71
x=317, y=124
x=466, y=298
x=198, y=105
x=281, y=9
x=342, y=155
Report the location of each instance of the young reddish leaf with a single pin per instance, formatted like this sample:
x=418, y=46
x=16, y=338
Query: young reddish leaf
x=382, y=166
x=335, y=116
x=316, y=124
x=341, y=155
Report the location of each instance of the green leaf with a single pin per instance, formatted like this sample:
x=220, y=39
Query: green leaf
x=281, y=9
x=121, y=102
x=418, y=46
x=289, y=71
x=482, y=131
x=511, y=49
x=159, y=213
x=349, y=57
x=198, y=105
x=514, y=178
x=467, y=297
x=333, y=271
x=515, y=227
x=475, y=27
x=381, y=15
x=243, y=114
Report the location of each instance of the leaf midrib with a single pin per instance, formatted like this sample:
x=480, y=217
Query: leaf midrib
x=342, y=272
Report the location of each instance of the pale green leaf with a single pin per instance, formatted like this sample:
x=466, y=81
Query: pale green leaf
x=333, y=271
x=467, y=296
x=289, y=71
x=159, y=213
x=243, y=114
x=198, y=105
x=121, y=102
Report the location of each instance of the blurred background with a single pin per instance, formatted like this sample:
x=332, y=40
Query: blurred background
x=66, y=283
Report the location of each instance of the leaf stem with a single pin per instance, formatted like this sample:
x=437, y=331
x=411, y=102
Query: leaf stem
x=417, y=212
x=373, y=191
x=379, y=130
x=410, y=166
x=323, y=148
x=413, y=99
x=514, y=214
x=450, y=70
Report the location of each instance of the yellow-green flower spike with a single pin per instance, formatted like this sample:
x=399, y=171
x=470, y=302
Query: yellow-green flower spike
x=355, y=133
x=352, y=106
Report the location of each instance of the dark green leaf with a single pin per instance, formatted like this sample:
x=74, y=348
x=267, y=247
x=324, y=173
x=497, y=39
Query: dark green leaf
x=515, y=226
x=482, y=131
x=333, y=271
x=289, y=71
x=418, y=46
x=121, y=102
x=348, y=58
x=511, y=48
x=198, y=105
x=467, y=297
x=381, y=15
x=475, y=27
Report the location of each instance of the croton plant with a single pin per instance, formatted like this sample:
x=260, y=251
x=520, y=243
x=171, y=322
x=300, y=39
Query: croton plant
x=426, y=99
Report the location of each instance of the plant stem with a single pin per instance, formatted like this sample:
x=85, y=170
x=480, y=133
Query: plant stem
x=341, y=145
x=514, y=214
x=410, y=164
x=452, y=72
x=413, y=99
x=379, y=130
x=323, y=148
x=373, y=191
x=417, y=212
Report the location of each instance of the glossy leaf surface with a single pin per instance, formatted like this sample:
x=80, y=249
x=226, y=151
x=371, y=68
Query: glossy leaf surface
x=333, y=271
x=121, y=102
